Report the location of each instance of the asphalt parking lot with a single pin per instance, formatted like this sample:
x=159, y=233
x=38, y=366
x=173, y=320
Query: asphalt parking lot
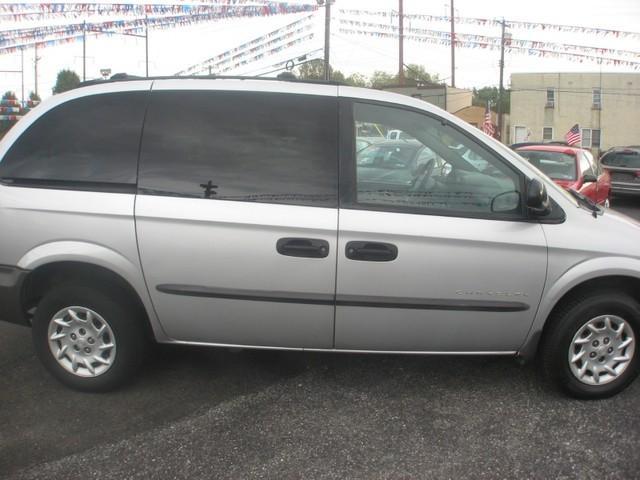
x=210, y=413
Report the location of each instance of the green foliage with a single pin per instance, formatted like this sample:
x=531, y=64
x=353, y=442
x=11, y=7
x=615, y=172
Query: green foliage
x=9, y=95
x=356, y=80
x=34, y=97
x=313, y=70
x=381, y=79
x=67, y=80
x=484, y=94
x=414, y=74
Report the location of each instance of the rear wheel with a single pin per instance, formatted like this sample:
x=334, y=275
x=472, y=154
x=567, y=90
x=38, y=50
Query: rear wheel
x=89, y=339
x=590, y=350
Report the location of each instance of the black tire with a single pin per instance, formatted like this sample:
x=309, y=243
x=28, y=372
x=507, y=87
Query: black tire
x=122, y=317
x=564, y=325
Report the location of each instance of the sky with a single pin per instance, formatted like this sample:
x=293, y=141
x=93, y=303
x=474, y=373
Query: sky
x=175, y=49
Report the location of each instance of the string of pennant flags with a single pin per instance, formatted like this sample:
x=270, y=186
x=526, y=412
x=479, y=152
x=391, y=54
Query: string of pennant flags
x=45, y=36
x=280, y=48
x=537, y=52
x=251, y=47
x=38, y=11
x=496, y=23
x=140, y=16
x=513, y=42
x=267, y=48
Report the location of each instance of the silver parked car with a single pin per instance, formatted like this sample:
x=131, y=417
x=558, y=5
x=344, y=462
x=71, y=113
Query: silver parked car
x=233, y=212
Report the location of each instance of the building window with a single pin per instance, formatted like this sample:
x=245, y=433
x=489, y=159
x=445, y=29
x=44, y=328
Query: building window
x=547, y=134
x=591, y=138
x=551, y=98
x=597, y=99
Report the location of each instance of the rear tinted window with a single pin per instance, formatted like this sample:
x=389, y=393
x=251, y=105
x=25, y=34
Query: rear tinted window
x=622, y=159
x=262, y=147
x=556, y=165
x=89, y=139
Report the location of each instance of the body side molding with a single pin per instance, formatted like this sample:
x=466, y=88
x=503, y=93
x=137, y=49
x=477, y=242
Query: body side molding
x=343, y=300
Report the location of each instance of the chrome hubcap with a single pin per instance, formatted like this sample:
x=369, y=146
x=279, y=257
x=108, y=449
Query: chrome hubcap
x=81, y=341
x=601, y=350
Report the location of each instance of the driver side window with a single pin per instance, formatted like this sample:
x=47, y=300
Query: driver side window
x=431, y=167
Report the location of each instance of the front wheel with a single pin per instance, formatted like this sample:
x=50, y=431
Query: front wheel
x=590, y=349
x=89, y=339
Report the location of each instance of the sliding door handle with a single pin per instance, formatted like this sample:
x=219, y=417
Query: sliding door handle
x=371, y=251
x=303, y=247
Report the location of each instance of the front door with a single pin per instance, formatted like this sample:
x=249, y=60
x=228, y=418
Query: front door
x=236, y=215
x=449, y=264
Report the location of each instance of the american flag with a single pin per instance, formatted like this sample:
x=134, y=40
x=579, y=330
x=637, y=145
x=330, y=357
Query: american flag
x=487, y=126
x=573, y=136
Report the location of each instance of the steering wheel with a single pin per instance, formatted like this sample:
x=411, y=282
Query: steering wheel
x=424, y=174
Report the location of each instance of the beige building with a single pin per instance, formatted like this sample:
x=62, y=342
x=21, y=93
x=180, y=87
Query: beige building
x=448, y=98
x=606, y=106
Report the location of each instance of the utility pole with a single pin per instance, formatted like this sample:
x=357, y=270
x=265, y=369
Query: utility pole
x=84, y=51
x=35, y=66
x=327, y=37
x=501, y=91
x=401, y=40
x=24, y=103
x=453, y=47
x=146, y=44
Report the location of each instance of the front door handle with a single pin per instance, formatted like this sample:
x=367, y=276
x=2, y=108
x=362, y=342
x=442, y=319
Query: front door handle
x=303, y=247
x=371, y=251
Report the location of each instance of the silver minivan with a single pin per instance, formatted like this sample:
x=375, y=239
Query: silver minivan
x=235, y=212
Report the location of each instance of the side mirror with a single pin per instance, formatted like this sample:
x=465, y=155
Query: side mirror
x=537, y=198
x=589, y=178
x=505, y=202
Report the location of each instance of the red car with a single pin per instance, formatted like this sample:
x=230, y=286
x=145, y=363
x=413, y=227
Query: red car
x=571, y=168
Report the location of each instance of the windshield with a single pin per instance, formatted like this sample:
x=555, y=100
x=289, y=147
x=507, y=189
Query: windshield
x=622, y=159
x=556, y=165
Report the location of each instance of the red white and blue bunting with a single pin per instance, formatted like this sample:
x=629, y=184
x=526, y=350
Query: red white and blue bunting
x=261, y=44
x=509, y=42
x=537, y=52
x=38, y=11
x=45, y=36
x=497, y=22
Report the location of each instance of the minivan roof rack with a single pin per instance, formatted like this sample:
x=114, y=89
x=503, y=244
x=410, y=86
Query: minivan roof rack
x=125, y=77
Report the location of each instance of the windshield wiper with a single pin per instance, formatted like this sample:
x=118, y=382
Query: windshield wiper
x=585, y=201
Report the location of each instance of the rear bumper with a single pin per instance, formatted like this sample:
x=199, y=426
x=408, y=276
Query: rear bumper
x=11, y=281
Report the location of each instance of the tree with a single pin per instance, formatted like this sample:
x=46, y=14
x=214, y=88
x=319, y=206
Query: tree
x=356, y=80
x=414, y=75
x=9, y=95
x=484, y=94
x=34, y=97
x=381, y=79
x=67, y=80
x=314, y=70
